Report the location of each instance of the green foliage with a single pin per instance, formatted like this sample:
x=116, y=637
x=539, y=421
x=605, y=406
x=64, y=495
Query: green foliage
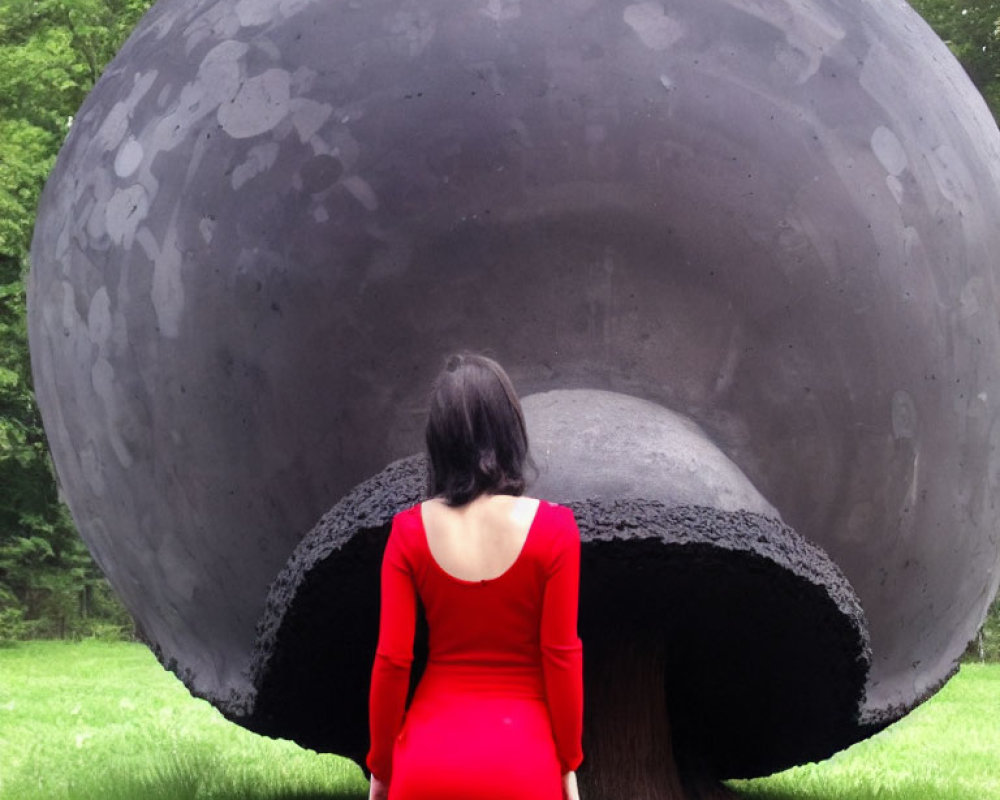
x=27, y=153
x=53, y=51
x=971, y=29
x=51, y=54
x=12, y=624
x=986, y=645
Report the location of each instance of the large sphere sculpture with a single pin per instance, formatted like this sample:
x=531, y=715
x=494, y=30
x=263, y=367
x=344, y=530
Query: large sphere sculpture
x=739, y=254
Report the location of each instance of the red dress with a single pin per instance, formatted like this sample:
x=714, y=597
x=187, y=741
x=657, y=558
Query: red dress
x=498, y=712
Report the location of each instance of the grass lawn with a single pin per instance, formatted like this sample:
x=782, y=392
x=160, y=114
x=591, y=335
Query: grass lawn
x=99, y=721
x=104, y=721
x=947, y=749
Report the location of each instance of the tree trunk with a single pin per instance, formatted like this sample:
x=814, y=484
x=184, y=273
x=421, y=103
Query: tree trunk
x=629, y=747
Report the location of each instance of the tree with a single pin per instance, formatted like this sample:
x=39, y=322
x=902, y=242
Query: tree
x=51, y=54
x=971, y=28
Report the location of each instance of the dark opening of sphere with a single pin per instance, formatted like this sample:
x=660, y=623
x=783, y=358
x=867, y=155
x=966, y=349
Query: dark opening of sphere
x=763, y=646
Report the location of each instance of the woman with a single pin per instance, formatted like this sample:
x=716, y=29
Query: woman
x=498, y=712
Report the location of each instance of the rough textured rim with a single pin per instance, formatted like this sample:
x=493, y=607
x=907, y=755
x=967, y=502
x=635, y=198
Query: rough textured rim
x=646, y=537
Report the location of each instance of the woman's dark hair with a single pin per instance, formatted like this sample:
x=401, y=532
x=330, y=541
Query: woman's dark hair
x=476, y=438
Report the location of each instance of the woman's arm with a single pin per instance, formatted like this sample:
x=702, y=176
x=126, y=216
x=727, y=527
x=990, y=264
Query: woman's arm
x=393, y=658
x=562, y=652
x=379, y=790
x=570, y=790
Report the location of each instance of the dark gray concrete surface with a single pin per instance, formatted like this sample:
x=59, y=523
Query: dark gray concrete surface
x=604, y=445
x=270, y=221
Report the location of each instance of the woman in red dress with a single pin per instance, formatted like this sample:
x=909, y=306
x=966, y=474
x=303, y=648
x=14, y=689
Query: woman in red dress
x=498, y=712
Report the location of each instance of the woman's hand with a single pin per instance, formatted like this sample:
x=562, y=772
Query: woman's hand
x=378, y=790
x=570, y=790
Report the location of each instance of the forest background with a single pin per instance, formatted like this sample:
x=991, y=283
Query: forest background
x=52, y=53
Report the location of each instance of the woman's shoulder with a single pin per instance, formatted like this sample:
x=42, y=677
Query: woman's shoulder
x=558, y=519
x=552, y=507
x=406, y=524
x=408, y=514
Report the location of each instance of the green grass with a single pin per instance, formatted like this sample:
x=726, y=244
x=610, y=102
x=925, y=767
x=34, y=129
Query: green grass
x=947, y=749
x=103, y=721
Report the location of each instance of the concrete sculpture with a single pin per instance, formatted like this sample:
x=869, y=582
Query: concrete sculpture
x=738, y=253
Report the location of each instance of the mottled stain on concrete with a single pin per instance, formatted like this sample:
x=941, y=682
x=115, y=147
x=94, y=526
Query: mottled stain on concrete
x=259, y=105
x=889, y=150
x=810, y=31
x=128, y=159
x=259, y=159
x=254, y=12
x=415, y=27
x=361, y=191
x=99, y=317
x=308, y=116
x=125, y=211
x=501, y=10
x=904, y=415
x=653, y=25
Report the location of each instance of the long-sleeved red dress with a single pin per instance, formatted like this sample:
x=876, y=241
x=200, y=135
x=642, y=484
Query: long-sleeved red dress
x=498, y=712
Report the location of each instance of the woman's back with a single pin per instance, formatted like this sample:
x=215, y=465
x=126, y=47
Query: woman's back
x=499, y=701
x=483, y=595
x=480, y=540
